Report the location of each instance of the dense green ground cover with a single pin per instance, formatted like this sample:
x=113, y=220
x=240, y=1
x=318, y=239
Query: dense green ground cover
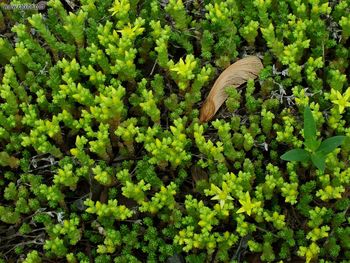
x=103, y=158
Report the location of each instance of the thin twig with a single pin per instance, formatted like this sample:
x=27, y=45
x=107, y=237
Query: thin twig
x=154, y=66
x=266, y=231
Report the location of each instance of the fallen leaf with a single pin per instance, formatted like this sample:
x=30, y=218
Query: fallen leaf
x=235, y=75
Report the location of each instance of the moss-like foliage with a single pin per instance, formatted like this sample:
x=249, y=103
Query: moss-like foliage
x=103, y=157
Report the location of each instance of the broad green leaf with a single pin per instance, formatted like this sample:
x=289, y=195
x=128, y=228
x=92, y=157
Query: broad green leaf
x=329, y=145
x=309, y=130
x=296, y=155
x=319, y=160
x=313, y=145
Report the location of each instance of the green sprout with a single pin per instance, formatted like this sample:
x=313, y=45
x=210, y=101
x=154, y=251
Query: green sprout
x=317, y=150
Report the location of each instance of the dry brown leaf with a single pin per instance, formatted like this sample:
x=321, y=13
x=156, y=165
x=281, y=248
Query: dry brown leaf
x=235, y=75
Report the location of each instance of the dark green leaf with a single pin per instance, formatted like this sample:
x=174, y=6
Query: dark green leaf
x=296, y=155
x=319, y=160
x=309, y=130
x=328, y=145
